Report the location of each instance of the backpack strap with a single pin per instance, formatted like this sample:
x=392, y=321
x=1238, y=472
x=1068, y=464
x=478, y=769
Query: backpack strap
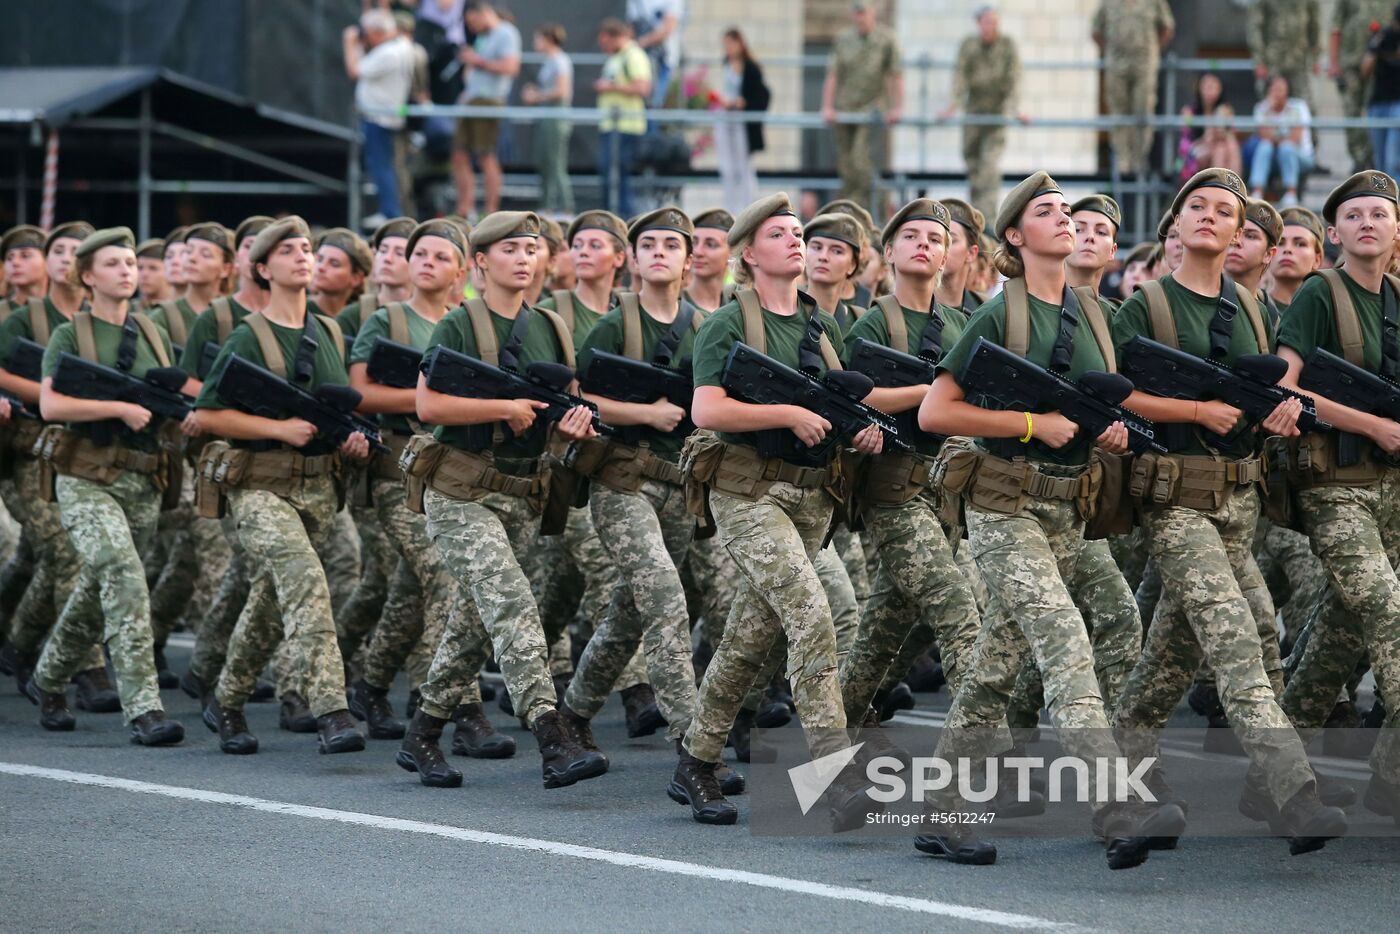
x=487, y=349
x=39, y=321
x=564, y=307
x=1017, y=336
x=153, y=337
x=223, y=318
x=1159, y=313
x=894, y=322
x=1348, y=323
x=174, y=321
x=631, y=325
x=754, y=335
x=398, y=323
x=1250, y=306
x=267, y=344
x=369, y=300
x=1092, y=314
x=337, y=335
x=564, y=333
x=87, y=341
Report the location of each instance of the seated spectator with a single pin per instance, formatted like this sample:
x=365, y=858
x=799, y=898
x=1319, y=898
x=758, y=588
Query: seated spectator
x=1283, y=144
x=1205, y=147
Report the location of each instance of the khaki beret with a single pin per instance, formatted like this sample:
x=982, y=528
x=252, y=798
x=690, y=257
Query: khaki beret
x=110, y=236
x=1302, y=217
x=714, y=218
x=841, y=227
x=73, y=230
x=1265, y=216
x=153, y=248
x=1208, y=178
x=1100, y=204
x=963, y=213
x=250, y=227
x=598, y=220
x=847, y=206
x=462, y=224
x=749, y=219
x=667, y=218
x=351, y=244
x=552, y=233
x=1023, y=194
x=1140, y=253
x=216, y=234
x=175, y=236
x=1165, y=224
x=273, y=234
x=1369, y=183
x=437, y=227
x=920, y=209
x=396, y=227
x=506, y=225
x=22, y=237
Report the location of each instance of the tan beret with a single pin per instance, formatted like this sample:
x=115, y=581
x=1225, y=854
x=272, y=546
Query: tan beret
x=1265, y=216
x=273, y=234
x=842, y=227
x=1100, y=204
x=504, y=225
x=1140, y=253
x=1165, y=224
x=175, y=236
x=153, y=248
x=714, y=218
x=1370, y=183
x=395, y=227
x=351, y=244
x=552, y=233
x=249, y=227
x=73, y=230
x=749, y=219
x=216, y=234
x=1023, y=194
x=599, y=220
x=109, y=236
x=1301, y=217
x=22, y=237
x=1209, y=178
x=963, y=213
x=847, y=206
x=920, y=209
x=668, y=218
x=437, y=227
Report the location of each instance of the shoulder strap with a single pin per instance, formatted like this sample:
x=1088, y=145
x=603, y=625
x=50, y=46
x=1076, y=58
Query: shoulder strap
x=1250, y=305
x=894, y=322
x=174, y=321
x=1093, y=316
x=1017, y=337
x=829, y=357
x=39, y=321
x=398, y=323
x=564, y=307
x=631, y=325
x=1159, y=313
x=697, y=319
x=152, y=335
x=369, y=300
x=223, y=318
x=7, y=308
x=267, y=343
x=87, y=341
x=564, y=333
x=1347, y=321
x=487, y=349
x=753, y=319
x=337, y=335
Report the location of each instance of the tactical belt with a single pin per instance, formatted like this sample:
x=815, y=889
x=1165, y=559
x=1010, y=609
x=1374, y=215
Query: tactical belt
x=740, y=467
x=466, y=475
x=385, y=466
x=1315, y=463
x=1006, y=487
x=894, y=479
x=1193, y=482
x=621, y=467
x=72, y=455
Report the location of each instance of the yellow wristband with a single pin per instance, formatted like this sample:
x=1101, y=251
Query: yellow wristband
x=1030, y=429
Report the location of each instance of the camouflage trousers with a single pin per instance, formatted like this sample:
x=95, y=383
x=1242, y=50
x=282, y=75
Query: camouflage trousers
x=982, y=148
x=573, y=579
x=850, y=546
x=1261, y=604
x=1115, y=633
x=54, y=560
x=108, y=526
x=288, y=596
x=360, y=612
x=211, y=643
x=342, y=558
x=919, y=594
x=480, y=542
x=855, y=163
x=1339, y=661
x=1130, y=87
x=173, y=563
x=649, y=533
x=773, y=542
x=1130, y=553
x=1026, y=561
x=1203, y=556
x=1296, y=578
x=711, y=581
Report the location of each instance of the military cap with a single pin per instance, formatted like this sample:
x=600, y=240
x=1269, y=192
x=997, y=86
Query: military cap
x=21, y=237
x=749, y=219
x=462, y=224
x=216, y=234
x=351, y=244
x=273, y=234
x=1164, y=226
x=963, y=213
x=153, y=248
x=552, y=233
x=1209, y=178
x=1100, y=204
x=1371, y=183
x=602, y=220
x=714, y=218
x=438, y=227
x=110, y=236
x=667, y=218
x=396, y=227
x=506, y=225
x=1302, y=217
x=1140, y=253
x=1023, y=194
x=175, y=236
x=920, y=209
x=73, y=230
x=847, y=206
x=834, y=226
x=1263, y=215
x=250, y=227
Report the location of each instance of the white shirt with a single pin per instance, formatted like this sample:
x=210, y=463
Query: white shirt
x=386, y=79
x=1294, y=113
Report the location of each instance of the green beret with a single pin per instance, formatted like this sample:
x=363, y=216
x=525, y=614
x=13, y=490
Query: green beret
x=749, y=219
x=963, y=213
x=1301, y=217
x=73, y=230
x=250, y=227
x=847, y=206
x=175, y=236
x=110, y=236
x=1140, y=253
x=1100, y=204
x=351, y=244
x=151, y=249
x=506, y=225
x=1207, y=178
x=841, y=227
x=1023, y=194
x=216, y=234
x=273, y=234
x=437, y=228
x=397, y=227
x=552, y=233
x=1370, y=183
x=598, y=220
x=715, y=218
x=667, y=218
x=920, y=209
x=1263, y=215
x=1164, y=226
x=22, y=237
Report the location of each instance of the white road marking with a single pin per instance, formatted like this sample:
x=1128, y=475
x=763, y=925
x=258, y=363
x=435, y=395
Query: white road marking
x=553, y=848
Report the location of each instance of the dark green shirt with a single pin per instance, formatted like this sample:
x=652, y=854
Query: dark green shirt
x=584, y=317
x=352, y=317
x=541, y=343
x=1311, y=320
x=783, y=335
x=1193, y=313
x=420, y=334
x=205, y=330
x=158, y=316
x=989, y=321
x=17, y=326
x=606, y=335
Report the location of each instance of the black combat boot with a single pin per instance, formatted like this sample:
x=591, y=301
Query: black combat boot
x=643, y=716
x=263, y=692
x=371, y=704
x=730, y=781
x=876, y=745
x=234, y=736
x=415, y=697
x=1129, y=827
x=561, y=685
x=564, y=761
x=956, y=843
x=1383, y=798
x=193, y=686
x=695, y=784
x=337, y=732
x=54, y=714
x=1307, y=822
x=153, y=729
x=295, y=716
x=896, y=699
x=848, y=800
x=926, y=676
x=746, y=749
x=504, y=702
x=772, y=713
x=420, y=753
x=476, y=737
x=166, y=678
x=579, y=729
x=95, y=692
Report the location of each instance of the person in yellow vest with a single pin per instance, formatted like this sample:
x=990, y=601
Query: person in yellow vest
x=709, y=262
x=834, y=246
x=964, y=247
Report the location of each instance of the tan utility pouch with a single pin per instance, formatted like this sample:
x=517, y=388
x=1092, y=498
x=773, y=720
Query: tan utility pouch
x=620, y=467
x=894, y=479
x=418, y=460
x=223, y=467
x=1192, y=482
x=1316, y=464
x=700, y=457
x=467, y=476
x=1107, y=507
x=994, y=484
x=66, y=453
x=216, y=461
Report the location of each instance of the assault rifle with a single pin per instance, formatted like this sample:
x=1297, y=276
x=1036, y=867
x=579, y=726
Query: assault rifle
x=259, y=391
x=393, y=364
x=1333, y=378
x=26, y=359
x=891, y=369
x=627, y=380
x=158, y=391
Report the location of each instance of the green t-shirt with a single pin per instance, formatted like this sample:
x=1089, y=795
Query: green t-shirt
x=1311, y=320
x=16, y=326
x=846, y=315
x=584, y=317
x=783, y=335
x=108, y=338
x=161, y=319
x=606, y=335
x=351, y=318
x=989, y=321
x=205, y=330
x=420, y=334
x=541, y=343
x=1193, y=313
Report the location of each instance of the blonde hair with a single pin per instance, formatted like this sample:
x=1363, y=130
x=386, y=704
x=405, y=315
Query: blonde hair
x=1007, y=260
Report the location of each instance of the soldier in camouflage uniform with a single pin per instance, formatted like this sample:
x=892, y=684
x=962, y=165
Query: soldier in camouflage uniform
x=1354, y=22
x=1285, y=37
x=986, y=80
x=1132, y=34
x=865, y=72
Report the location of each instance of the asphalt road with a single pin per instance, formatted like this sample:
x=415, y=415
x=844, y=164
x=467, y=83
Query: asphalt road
x=104, y=836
